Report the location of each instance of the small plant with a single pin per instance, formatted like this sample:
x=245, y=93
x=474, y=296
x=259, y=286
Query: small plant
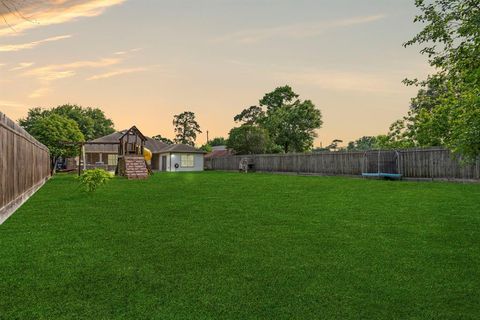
x=92, y=179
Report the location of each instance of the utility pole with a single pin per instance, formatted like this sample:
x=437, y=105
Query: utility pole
x=207, y=137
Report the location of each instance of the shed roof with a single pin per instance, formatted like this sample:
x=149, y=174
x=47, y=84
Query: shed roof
x=181, y=148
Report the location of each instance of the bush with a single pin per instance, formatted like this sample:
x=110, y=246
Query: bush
x=92, y=179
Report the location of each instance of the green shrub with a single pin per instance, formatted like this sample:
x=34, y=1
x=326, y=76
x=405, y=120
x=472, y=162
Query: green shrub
x=92, y=179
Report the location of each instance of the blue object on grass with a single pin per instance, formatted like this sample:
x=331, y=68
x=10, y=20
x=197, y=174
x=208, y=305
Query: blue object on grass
x=383, y=175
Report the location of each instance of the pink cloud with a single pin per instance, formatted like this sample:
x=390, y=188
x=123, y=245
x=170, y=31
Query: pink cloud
x=32, y=14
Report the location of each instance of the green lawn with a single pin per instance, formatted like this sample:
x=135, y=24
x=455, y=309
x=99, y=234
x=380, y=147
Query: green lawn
x=233, y=246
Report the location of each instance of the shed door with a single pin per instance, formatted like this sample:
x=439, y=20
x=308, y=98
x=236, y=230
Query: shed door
x=164, y=163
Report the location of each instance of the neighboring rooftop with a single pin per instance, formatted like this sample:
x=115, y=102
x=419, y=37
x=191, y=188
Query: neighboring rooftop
x=218, y=153
x=218, y=148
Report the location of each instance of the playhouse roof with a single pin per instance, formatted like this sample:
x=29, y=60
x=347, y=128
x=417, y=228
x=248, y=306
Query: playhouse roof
x=135, y=131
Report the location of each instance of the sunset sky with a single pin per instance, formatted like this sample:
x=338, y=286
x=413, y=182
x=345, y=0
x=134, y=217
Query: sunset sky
x=142, y=61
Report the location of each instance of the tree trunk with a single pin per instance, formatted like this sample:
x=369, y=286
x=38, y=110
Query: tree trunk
x=53, y=165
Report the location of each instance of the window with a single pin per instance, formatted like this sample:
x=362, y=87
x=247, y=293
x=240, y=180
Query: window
x=92, y=158
x=112, y=159
x=187, y=160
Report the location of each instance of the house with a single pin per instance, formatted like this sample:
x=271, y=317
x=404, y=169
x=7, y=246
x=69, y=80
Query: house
x=104, y=152
x=217, y=152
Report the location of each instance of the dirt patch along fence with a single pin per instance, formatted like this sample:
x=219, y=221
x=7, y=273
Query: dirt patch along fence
x=24, y=166
x=433, y=163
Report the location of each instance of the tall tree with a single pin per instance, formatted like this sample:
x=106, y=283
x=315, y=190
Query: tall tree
x=278, y=98
x=102, y=125
x=92, y=122
x=186, y=128
x=290, y=122
x=292, y=126
x=446, y=110
x=52, y=130
x=34, y=114
x=251, y=115
x=163, y=139
x=248, y=139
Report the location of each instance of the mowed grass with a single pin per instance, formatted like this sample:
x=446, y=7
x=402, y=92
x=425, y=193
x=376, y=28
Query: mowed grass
x=231, y=246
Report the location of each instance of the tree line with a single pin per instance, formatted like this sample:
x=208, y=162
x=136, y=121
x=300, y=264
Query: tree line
x=281, y=122
x=72, y=123
x=66, y=123
x=445, y=112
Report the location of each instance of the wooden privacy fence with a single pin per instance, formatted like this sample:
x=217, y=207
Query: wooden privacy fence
x=433, y=163
x=24, y=166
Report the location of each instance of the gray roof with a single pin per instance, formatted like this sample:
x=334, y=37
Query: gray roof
x=153, y=145
x=105, y=148
x=113, y=137
x=181, y=148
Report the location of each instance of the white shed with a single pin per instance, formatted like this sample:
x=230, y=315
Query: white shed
x=181, y=158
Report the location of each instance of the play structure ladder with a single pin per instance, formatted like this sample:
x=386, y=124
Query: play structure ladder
x=134, y=167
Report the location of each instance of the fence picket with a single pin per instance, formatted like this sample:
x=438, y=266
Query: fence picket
x=24, y=166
